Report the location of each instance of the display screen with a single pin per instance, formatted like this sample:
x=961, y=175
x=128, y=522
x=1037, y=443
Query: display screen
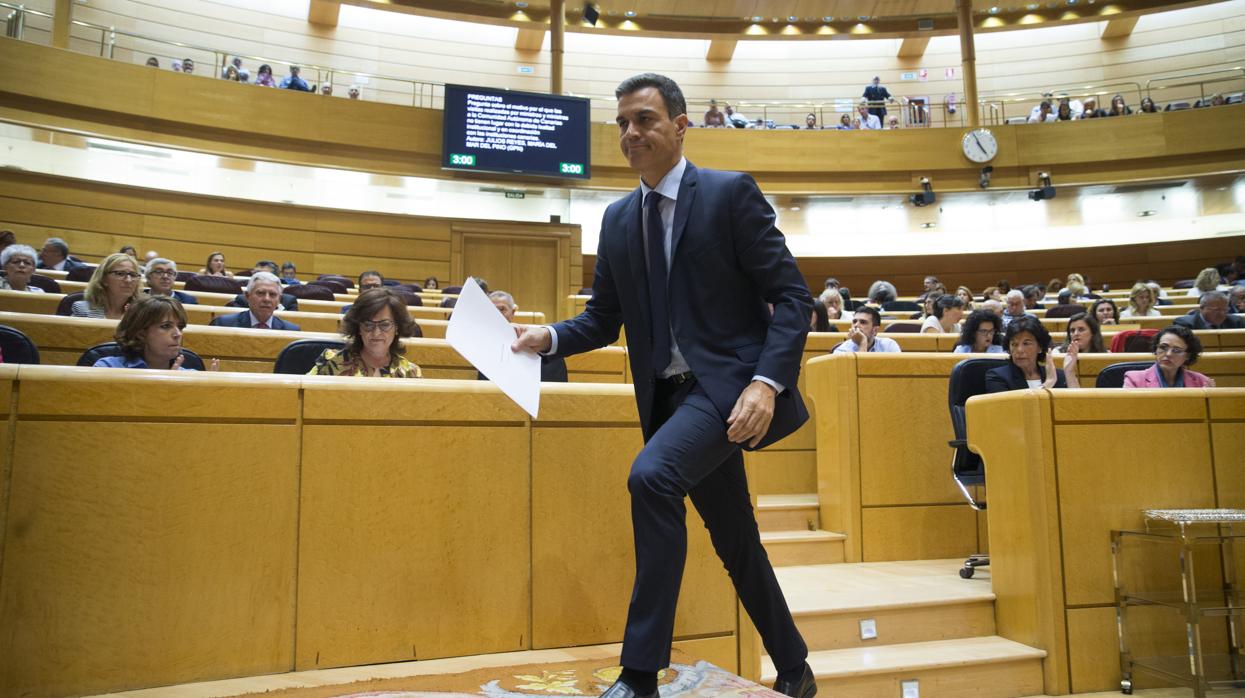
x=490, y=130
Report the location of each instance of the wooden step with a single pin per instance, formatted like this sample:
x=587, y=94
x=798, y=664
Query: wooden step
x=983, y=667
x=788, y=512
x=908, y=602
x=803, y=547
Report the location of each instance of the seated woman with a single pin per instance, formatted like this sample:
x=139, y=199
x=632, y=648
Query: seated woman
x=1207, y=280
x=948, y=310
x=1083, y=331
x=1105, y=312
x=981, y=334
x=215, y=266
x=115, y=284
x=374, y=327
x=819, y=321
x=881, y=292
x=965, y=294
x=1140, y=303
x=150, y=336
x=833, y=301
x=431, y=284
x=1028, y=345
x=19, y=263
x=1175, y=349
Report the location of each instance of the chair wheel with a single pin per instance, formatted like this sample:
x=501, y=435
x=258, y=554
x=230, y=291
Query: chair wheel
x=1126, y=687
x=966, y=573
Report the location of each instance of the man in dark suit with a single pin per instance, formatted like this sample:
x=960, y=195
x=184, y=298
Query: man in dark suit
x=690, y=263
x=263, y=292
x=1212, y=314
x=878, y=96
x=55, y=255
x=161, y=274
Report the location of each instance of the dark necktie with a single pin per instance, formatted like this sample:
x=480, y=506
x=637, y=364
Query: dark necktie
x=262, y=326
x=658, y=306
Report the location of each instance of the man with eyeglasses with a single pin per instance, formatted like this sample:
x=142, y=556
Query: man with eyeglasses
x=161, y=274
x=263, y=294
x=55, y=255
x=1212, y=314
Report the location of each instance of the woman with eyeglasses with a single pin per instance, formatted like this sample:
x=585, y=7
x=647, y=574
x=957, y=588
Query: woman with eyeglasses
x=1175, y=349
x=115, y=284
x=982, y=334
x=373, y=327
x=19, y=263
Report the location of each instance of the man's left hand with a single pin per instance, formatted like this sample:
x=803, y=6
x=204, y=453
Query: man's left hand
x=753, y=411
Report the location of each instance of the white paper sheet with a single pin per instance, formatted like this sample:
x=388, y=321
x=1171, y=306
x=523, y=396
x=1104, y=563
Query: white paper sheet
x=480, y=333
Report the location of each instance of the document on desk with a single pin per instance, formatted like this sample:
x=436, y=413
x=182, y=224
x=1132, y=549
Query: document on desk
x=479, y=332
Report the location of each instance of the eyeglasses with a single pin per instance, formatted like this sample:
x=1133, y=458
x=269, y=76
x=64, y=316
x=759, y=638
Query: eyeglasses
x=162, y=272
x=1169, y=349
x=126, y=275
x=985, y=333
x=382, y=326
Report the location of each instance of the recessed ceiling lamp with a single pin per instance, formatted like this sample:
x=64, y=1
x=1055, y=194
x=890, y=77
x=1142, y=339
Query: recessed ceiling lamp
x=521, y=5
x=928, y=224
x=994, y=10
x=756, y=18
x=1147, y=213
x=793, y=18
x=629, y=13
x=863, y=18
x=827, y=18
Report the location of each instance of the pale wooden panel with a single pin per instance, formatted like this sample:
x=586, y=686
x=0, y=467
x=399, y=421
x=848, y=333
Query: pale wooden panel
x=833, y=387
x=914, y=469
x=781, y=472
x=79, y=575
x=7, y=376
x=918, y=532
x=413, y=543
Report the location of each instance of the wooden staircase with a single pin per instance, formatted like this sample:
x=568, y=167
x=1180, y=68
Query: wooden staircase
x=791, y=532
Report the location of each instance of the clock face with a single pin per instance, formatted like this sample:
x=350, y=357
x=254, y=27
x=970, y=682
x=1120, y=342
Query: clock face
x=979, y=145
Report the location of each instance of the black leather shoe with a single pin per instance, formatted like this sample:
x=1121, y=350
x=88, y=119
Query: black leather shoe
x=806, y=687
x=622, y=690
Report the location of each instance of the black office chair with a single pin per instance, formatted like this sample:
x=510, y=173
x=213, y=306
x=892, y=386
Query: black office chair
x=47, y=283
x=299, y=356
x=190, y=360
x=1113, y=376
x=968, y=378
x=17, y=347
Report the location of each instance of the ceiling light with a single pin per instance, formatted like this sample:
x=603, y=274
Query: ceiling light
x=793, y=18
x=928, y=224
x=1031, y=6
x=994, y=10
x=1147, y=213
x=863, y=18
x=827, y=19
x=629, y=13
x=756, y=18
x=521, y=5
x=795, y=208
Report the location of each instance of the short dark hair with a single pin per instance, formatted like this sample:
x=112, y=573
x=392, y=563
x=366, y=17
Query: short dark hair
x=371, y=273
x=287, y=265
x=1032, y=291
x=369, y=303
x=872, y=312
x=831, y=281
x=142, y=314
x=266, y=263
x=946, y=302
x=669, y=90
x=968, y=333
x=1191, y=341
x=1030, y=324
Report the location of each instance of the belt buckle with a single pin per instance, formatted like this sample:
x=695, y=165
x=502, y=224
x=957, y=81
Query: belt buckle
x=681, y=378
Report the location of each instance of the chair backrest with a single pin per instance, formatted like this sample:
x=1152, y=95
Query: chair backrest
x=299, y=356
x=1065, y=310
x=968, y=378
x=452, y=290
x=409, y=297
x=1184, y=283
x=184, y=276
x=17, y=347
x=448, y=302
x=851, y=306
x=343, y=280
x=1132, y=341
x=333, y=285
x=1113, y=376
x=312, y=291
x=912, y=327
x=80, y=273
x=902, y=305
x=213, y=284
x=47, y=283
x=65, y=307
x=190, y=360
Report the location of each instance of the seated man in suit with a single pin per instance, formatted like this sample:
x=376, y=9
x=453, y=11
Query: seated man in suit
x=262, y=294
x=552, y=368
x=55, y=255
x=161, y=273
x=866, y=322
x=369, y=280
x=288, y=271
x=1211, y=314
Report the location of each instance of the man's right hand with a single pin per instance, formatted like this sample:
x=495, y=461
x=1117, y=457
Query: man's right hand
x=857, y=335
x=534, y=338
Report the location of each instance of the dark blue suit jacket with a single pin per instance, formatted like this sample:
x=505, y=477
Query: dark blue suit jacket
x=727, y=262
x=243, y=319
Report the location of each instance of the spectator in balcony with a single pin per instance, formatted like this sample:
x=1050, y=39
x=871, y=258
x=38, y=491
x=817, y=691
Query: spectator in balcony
x=734, y=118
x=892, y=122
x=1105, y=312
x=810, y=122
x=845, y=123
x=863, y=337
x=1084, y=331
x=263, y=77
x=1118, y=107
x=1140, y=303
x=1207, y=280
x=1048, y=97
x=1176, y=348
x=353, y=92
x=230, y=73
x=1147, y=106
x=289, y=274
x=326, y=89
x=175, y=65
x=215, y=266
x=1091, y=110
x=113, y=286
x=876, y=95
x=1044, y=114
x=714, y=118
x=1028, y=348
x=294, y=82
x=161, y=274
x=981, y=334
x=18, y=262
x=373, y=327
x=1212, y=314
x=263, y=295
x=882, y=292
x=153, y=62
x=868, y=121
x=188, y=66
x=236, y=64
x=150, y=336
x=1064, y=113
x=1216, y=100
x=948, y=310
x=55, y=255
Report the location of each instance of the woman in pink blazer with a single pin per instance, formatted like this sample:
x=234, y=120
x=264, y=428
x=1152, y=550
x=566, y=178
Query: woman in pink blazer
x=1175, y=349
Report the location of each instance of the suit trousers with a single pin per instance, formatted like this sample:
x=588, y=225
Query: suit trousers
x=689, y=455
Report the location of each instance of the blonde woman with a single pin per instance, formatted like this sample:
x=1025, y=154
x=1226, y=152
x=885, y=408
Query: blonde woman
x=965, y=294
x=1207, y=280
x=833, y=301
x=115, y=284
x=1140, y=303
